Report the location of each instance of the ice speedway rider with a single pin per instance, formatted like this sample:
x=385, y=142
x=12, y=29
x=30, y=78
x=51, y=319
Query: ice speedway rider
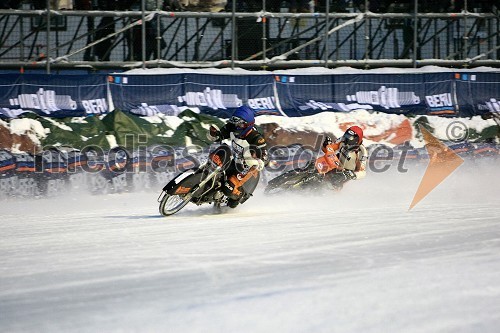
x=352, y=155
x=249, y=150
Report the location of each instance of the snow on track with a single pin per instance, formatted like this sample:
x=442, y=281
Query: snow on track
x=354, y=261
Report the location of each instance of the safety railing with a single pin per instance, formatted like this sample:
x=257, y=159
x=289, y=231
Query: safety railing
x=253, y=40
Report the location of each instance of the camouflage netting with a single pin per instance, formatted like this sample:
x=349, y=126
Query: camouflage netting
x=123, y=129
x=487, y=134
x=131, y=131
x=195, y=127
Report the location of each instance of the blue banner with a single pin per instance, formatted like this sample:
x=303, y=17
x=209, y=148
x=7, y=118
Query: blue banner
x=440, y=95
x=217, y=95
x=53, y=95
x=147, y=95
x=220, y=95
x=461, y=94
x=302, y=95
x=478, y=93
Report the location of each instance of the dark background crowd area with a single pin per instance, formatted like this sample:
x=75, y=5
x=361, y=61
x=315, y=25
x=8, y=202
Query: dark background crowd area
x=295, y=6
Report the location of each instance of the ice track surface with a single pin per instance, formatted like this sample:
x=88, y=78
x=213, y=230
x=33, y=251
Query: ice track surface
x=355, y=261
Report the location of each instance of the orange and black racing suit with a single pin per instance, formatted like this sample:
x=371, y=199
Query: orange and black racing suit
x=352, y=163
x=250, y=157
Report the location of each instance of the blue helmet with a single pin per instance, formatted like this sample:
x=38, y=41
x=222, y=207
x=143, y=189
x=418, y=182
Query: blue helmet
x=243, y=120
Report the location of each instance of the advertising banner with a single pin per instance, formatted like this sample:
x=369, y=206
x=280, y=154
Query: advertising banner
x=304, y=95
x=388, y=93
x=440, y=95
x=216, y=95
x=220, y=95
x=478, y=93
x=53, y=95
x=293, y=95
x=147, y=95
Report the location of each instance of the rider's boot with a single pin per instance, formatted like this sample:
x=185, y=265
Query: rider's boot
x=233, y=193
x=232, y=203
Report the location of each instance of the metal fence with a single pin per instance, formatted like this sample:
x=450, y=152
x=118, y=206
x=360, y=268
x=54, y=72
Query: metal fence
x=253, y=40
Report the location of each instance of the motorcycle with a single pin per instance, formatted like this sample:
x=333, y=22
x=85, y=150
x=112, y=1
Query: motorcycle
x=309, y=177
x=204, y=185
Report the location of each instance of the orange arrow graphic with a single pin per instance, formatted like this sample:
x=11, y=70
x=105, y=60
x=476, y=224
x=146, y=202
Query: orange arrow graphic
x=442, y=162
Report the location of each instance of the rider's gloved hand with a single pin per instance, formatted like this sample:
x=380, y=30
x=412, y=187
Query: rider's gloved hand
x=213, y=133
x=257, y=163
x=349, y=174
x=260, y=165
x=327, y=141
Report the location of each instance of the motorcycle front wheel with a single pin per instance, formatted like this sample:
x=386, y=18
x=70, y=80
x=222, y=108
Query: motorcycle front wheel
x=172, y=203
x=288, y=181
